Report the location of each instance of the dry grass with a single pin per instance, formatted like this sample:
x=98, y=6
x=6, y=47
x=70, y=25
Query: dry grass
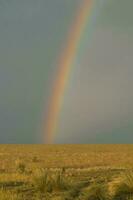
x=74, y=156
x=65, y=172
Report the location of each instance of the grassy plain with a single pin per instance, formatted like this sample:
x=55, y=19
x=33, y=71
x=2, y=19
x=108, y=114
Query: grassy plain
x=66, y=172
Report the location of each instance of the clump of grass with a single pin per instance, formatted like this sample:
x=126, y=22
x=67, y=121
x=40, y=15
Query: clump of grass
x=20, y=166
x=59, y=182
x=75, y=190
x=72, y=194
x=42, y=182
x=45, y=181
x=95, y=192
x=124, y=190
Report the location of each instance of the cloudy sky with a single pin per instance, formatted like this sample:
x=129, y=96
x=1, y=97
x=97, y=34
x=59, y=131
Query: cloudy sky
x=98, y=101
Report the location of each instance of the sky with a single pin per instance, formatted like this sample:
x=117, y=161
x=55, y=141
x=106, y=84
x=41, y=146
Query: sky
x=98, y=101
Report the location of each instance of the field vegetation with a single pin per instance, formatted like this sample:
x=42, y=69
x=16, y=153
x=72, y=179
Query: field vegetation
x=66, y=172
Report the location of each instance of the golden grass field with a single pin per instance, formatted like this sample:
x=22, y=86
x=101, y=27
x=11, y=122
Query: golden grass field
x=66, y=172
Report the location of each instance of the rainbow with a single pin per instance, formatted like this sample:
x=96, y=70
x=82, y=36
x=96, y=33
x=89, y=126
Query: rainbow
x=66, y=62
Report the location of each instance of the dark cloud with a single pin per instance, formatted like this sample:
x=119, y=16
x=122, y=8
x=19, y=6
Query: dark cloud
x=99, y=96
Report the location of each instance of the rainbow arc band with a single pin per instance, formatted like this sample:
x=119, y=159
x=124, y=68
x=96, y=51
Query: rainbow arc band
x=66, y=62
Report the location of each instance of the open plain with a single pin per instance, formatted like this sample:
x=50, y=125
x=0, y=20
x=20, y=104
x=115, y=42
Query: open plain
x=66, y=172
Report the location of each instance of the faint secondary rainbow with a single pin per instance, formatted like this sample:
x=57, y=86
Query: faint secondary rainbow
x=66, y=62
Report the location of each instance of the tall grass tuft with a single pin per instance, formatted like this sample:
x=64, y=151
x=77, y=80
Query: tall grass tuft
x=95, y=192
x=124, y=190
x=60, y=183
x=42, y=182
x=45, y=181
x=75, y=190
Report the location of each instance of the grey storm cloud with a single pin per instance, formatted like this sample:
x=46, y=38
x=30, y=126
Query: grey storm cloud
x=98, y=100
